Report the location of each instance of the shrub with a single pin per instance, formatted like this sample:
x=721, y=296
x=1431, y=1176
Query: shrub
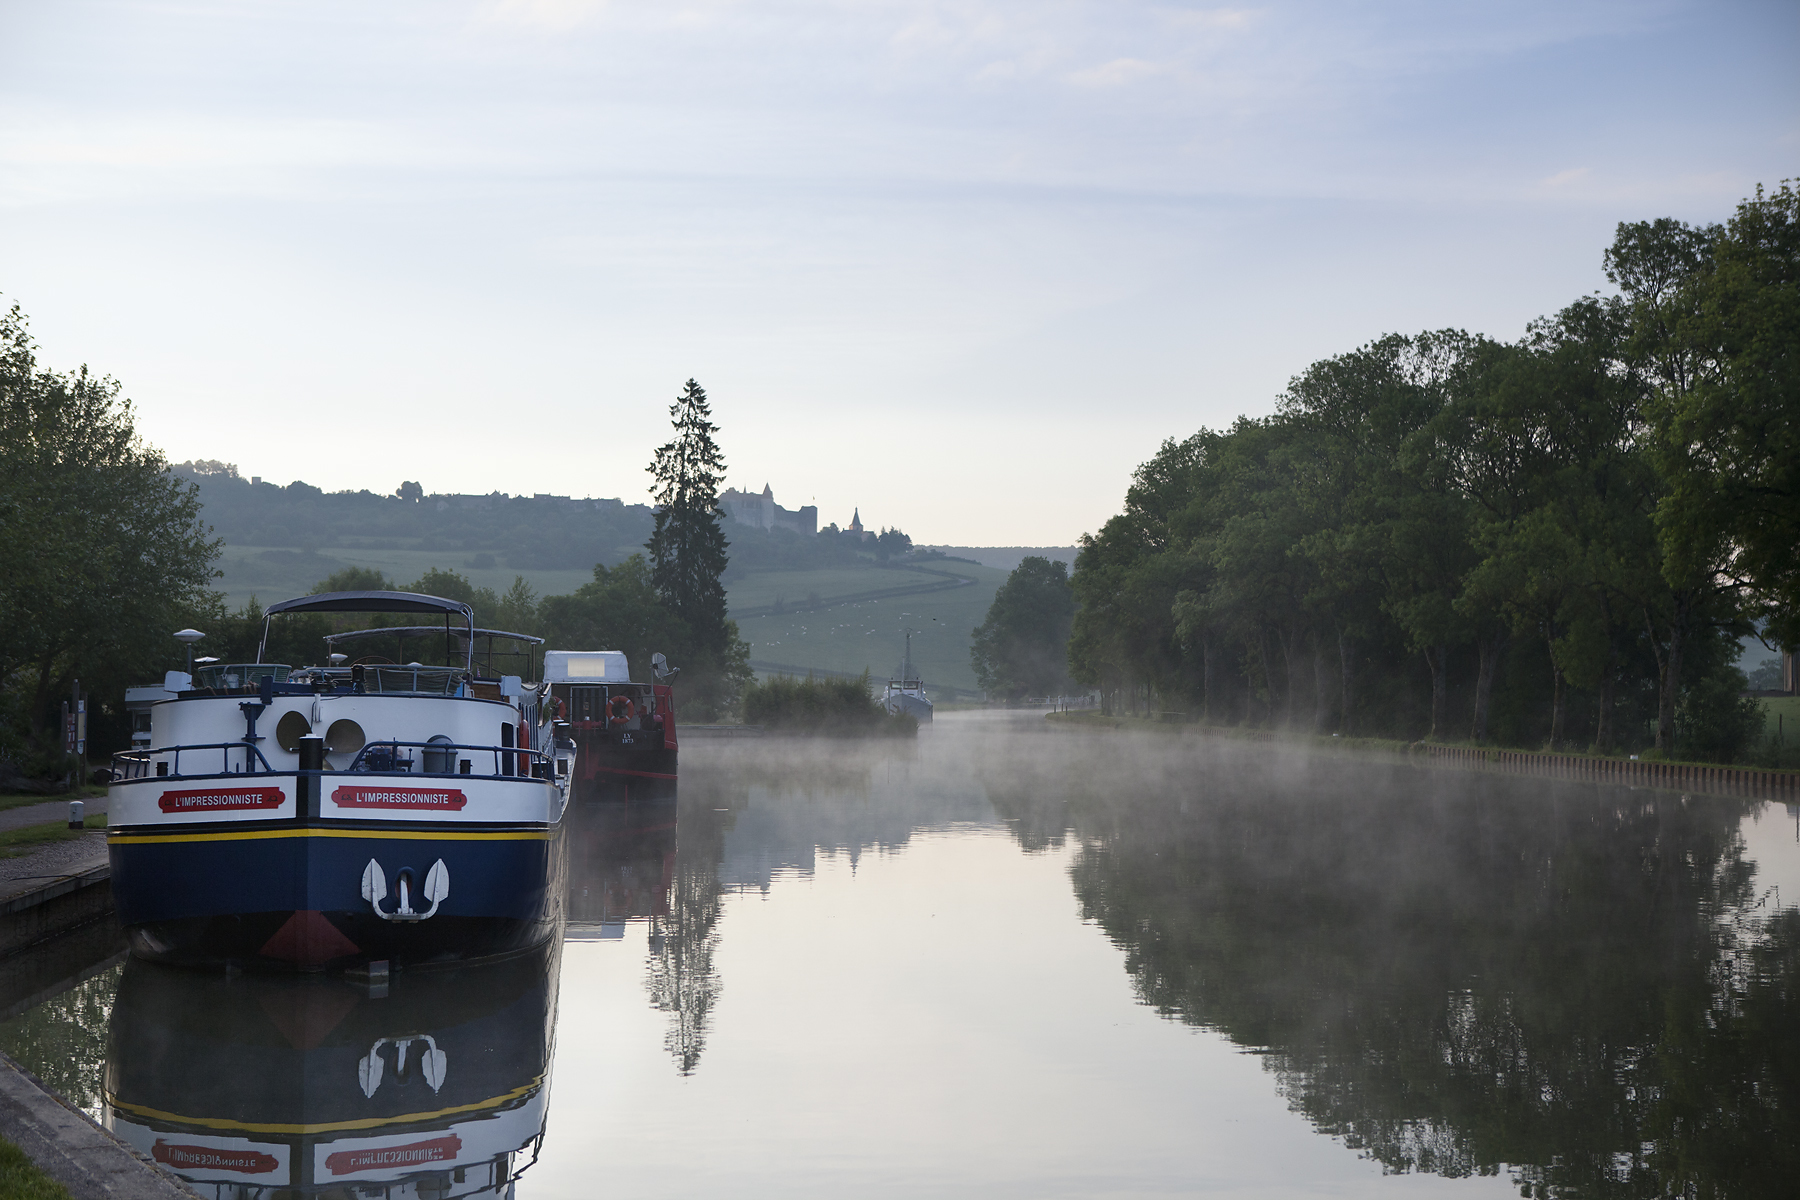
x=839, y=707
x=1715, y=721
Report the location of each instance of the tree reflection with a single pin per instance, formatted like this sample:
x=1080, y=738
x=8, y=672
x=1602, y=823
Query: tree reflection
x=681, y=978
x=1461, y=974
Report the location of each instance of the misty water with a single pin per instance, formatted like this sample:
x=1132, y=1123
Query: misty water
x=1019, y=961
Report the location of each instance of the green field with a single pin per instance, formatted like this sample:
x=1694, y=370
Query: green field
x=794, y=588
x=868, y=633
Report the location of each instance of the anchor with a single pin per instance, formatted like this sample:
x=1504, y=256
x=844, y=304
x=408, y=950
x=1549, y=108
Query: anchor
x=374, y=890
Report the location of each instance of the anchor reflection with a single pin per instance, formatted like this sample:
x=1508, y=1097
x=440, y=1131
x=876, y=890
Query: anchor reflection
x=265, y=1087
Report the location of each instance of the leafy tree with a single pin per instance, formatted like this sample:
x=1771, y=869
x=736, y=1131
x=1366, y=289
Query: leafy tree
x=102, y=551
x=891, y=543
x=1665, y=268
x=1022, y=647
x=1730, y=435
x=410, y=492
x=619, y=610
x=358, y=579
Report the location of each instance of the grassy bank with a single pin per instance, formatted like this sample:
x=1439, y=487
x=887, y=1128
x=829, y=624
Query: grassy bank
x=17, y=842
x=9, y=800
x=20, y=1178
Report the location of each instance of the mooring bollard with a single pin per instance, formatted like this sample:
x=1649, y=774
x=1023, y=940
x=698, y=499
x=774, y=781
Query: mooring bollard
x=76, y=811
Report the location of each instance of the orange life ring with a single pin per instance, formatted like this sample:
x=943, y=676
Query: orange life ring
x=618, y=717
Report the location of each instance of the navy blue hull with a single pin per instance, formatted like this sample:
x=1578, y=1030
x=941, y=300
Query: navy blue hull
x=291, y=896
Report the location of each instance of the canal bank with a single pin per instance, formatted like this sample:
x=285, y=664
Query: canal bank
x=56, y=931
x=1708, y=778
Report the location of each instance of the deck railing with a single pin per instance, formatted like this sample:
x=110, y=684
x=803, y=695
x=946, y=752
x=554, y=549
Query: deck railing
x=166, y=763
x=375, y=758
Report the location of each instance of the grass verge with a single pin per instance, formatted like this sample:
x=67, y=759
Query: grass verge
x=15, y=842
x=21, y=799
x=20, y=1178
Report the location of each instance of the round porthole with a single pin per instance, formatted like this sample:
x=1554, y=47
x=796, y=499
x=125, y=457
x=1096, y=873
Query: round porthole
x=344, y=737
x=290, y=729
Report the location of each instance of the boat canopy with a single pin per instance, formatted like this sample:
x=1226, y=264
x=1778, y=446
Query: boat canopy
x=422, y=629
x=374, y=602
x=484, y=659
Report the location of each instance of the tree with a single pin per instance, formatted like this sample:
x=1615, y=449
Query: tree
x=1666, y=269
x=102, y=550
x=688, y=546
x=1022, y=647
x=1730, y=441
x=410, y=492
x=688, y=555
x=619, y=610
x=891, y=543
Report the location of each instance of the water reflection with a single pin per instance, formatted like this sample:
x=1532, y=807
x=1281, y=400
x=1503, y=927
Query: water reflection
x=944, y=963
x=251, y=1087
x=1459, y=973
x=655, y=860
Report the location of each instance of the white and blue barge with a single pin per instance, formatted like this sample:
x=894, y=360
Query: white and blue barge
x=364, y=813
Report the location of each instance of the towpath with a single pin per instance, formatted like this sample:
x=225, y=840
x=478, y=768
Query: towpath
x=46, y=813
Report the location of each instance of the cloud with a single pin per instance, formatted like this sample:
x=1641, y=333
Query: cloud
x=1117, y=73
x=1565, y=178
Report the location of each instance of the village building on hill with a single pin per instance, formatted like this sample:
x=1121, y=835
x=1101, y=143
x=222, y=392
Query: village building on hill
x=761, y=511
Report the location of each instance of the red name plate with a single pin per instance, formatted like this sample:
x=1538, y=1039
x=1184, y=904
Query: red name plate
x=246, y=1162
x=348, y=1162
x=390, y=797
x=214, y=800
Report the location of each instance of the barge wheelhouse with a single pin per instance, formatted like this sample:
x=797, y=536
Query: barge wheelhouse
x=363, y=812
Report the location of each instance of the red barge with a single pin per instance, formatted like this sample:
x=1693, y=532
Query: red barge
x=624, y=731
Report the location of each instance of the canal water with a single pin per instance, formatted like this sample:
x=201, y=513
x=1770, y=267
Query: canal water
x=1011, y=960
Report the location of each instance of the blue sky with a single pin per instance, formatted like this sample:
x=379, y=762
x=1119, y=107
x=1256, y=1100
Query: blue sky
x=960, y=264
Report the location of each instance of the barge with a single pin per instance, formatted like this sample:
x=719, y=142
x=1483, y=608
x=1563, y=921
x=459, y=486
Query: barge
x=623, y=730
x=368, y=813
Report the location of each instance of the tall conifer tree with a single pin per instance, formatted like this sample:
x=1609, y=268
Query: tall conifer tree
x=688, y=547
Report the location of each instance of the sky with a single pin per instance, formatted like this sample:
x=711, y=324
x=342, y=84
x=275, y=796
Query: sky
x=961, y=265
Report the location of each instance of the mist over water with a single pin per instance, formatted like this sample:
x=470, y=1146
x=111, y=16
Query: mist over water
x=1017, y=960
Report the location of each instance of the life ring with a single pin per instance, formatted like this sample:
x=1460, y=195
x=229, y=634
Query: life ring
x=617, y=716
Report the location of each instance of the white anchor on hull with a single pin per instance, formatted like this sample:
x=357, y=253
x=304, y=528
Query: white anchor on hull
x=374, y=890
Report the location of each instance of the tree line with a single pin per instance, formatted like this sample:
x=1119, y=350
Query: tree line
x=1557, y=540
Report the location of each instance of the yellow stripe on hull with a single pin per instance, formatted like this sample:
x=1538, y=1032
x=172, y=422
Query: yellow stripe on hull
x=536, y=835
x=154, y=1114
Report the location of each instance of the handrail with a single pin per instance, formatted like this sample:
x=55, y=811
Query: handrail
x=136, y=763
x=503, y=757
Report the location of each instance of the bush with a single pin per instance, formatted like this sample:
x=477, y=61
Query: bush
x=838, y=707
x=1715, y=721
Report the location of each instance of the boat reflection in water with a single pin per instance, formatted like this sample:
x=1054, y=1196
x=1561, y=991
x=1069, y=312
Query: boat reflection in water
x=256, y=1087
x=621, y=865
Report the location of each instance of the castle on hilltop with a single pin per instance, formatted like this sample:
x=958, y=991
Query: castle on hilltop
x=761, y=511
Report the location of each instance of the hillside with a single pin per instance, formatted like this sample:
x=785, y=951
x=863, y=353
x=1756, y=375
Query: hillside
x=823, y=602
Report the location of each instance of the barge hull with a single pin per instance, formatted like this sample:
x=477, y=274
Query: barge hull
x=292, y=897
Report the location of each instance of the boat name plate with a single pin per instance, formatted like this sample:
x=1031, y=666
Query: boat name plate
x=375, y=797
x=212, y=799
